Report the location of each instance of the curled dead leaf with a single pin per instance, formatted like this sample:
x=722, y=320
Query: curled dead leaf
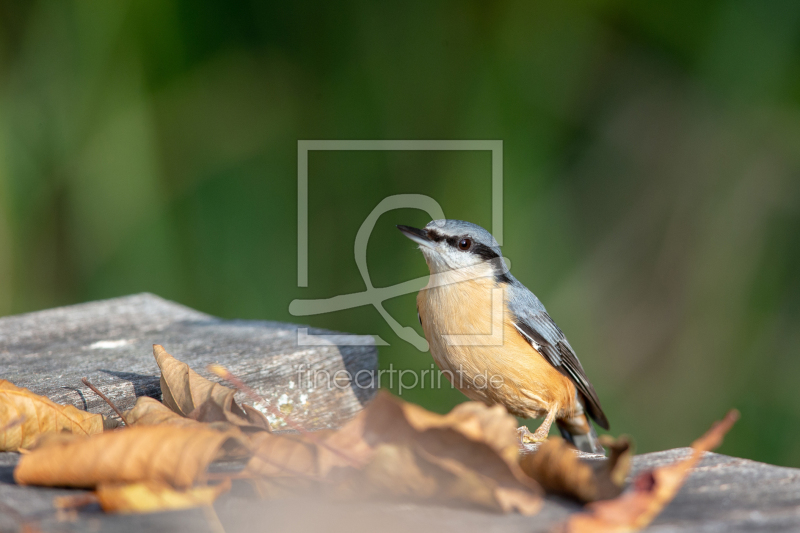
x=472, y=452
x=174, y=455
x=388, y=419
x=191, y=395
x=559, y=470
x=650, y=492
x=150, y=497
x=24, y=416
x=396, y=449
x=150, y=412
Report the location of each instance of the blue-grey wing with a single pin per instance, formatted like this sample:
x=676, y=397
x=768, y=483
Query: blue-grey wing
x=539, y=329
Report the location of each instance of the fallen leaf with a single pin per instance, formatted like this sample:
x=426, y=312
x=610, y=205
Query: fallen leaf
x=394, y=448
x=211, y=411
x=174, y=455
x=283, y=465
x=150, y=497
x=150, y=412
x=38, y=415
x=390, y=420
x=191, y=395
x=651, y=491
x=283, y=456
x=471, y=452
x=12, y=423
x=557, y=467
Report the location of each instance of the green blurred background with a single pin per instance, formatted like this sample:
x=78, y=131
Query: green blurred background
x=651, y=158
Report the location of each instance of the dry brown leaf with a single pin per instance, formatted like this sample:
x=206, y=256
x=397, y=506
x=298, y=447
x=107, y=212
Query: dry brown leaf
x=473, y=420
x=283, y=465
x=191, y=395
x=212, y=412
x=472, y=453
x=150, y=412
x=394, y=448
x=150, y=497
x=169, y=454
x=388, y=420
x=559, y=470
x=651, y=491
x=37, y=415
x=283, y=456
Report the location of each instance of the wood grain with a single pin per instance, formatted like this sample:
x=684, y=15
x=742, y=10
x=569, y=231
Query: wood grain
x=111, y=342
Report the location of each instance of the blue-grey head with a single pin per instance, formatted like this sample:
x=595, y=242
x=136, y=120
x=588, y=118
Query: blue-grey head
x=456, y=244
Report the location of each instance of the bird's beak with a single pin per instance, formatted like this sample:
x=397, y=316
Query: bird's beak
x=419, y=236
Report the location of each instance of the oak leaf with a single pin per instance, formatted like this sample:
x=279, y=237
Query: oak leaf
x=24, y=416
x=174, y=455
x=651, y=491
x=191, y=395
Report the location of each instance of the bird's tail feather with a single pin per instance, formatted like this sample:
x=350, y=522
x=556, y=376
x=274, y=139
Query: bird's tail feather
x=579, y=431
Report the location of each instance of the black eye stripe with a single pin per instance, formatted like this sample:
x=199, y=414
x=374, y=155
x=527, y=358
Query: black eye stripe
x=484, y=251
x=475, y=248
x=435, y=236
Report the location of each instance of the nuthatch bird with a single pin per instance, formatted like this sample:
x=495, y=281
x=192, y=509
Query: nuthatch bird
x=493, y=338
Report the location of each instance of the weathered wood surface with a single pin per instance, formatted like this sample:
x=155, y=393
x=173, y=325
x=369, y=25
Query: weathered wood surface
x=723, y=495
x=110, y=342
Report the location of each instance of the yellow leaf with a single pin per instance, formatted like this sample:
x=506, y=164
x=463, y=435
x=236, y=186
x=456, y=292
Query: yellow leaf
x=150, y=497
x=38, y=415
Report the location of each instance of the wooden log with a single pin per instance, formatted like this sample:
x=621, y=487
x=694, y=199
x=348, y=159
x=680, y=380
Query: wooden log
x=110, y=342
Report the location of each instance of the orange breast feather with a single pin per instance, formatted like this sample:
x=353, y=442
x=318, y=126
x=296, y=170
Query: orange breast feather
x=489, y=360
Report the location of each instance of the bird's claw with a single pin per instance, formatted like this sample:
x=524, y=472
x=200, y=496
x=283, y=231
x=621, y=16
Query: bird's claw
x=526, y=437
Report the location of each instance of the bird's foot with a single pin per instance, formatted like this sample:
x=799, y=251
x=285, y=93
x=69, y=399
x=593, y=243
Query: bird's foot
x=526, y=437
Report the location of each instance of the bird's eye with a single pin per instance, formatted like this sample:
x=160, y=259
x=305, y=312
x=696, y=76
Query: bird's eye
x=464, y=244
